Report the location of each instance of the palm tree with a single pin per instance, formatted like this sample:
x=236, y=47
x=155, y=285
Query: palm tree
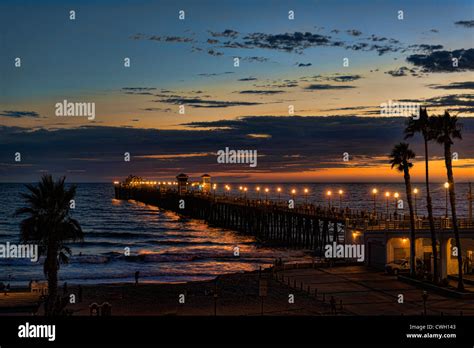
x=423, y=125
x=400, y=158
x=447, y=128
x=49, y=224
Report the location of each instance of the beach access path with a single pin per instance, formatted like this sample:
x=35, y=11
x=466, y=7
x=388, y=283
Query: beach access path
x=362, y=291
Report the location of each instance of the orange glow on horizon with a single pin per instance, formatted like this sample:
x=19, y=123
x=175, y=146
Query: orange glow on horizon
x=463, y=169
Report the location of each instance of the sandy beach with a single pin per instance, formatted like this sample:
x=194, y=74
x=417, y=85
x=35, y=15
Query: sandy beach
x=237, y=294
x=356, y=291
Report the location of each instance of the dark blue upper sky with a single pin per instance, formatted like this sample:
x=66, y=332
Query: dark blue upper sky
x=190, y=63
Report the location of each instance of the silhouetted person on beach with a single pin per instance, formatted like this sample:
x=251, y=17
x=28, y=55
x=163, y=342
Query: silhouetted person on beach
x=137, y=274
x=332, y=301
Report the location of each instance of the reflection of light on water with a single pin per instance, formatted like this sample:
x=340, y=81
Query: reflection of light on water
x=116, y=202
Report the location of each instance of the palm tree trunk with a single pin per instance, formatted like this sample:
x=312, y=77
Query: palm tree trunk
x=429, y=207
x=52, y=283
x=412, y=220
x=452, y=201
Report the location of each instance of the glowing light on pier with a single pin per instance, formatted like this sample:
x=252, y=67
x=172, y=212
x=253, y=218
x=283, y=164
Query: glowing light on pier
x=415, y=192
x=387, y=196
x=116, y=182
x=446, y=186
x=329, y=194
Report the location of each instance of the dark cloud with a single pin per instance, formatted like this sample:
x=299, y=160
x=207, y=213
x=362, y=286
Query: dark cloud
x=215, y=74
x=179, y=39
x=377, y=38
x=303, y=65
x=279, y=84
x=297, y=42
x=214, y=53
x=212, y=41
x=327, y=87
x=455, y=85
x=289, y=42
x=248, y=79
x=337, y=78
x=19, y=114
x=402, y=71
x=140, y=89
x=466, y=24
x=446, y=101
x=158, y=109
x=204, y=103
x=426, y=47
x=354, y=32
x=292, y=144
x=442, y=61
x=226, y=33
x=265, y=92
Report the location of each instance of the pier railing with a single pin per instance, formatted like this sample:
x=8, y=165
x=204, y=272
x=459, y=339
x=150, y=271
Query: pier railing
x=303, y=225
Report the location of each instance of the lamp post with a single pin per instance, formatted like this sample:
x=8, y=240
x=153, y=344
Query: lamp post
x=214, y=189
x=305, y=196
x=329, y=194
x=258, y=192
x=340, y=198
x=387, y=196
x=279, y=192
x=446, y=186
x=293, y=192
x=374, y=193
x=415, y=192
x=396, y=195
x=245, y=192
x=266, y=193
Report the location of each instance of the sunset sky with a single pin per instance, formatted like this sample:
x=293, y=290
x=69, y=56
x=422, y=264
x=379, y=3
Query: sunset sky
x=191, y=63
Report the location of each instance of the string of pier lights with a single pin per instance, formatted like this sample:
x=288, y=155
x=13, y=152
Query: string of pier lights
x=329, y=195
x=244, y=189
x=415, y=192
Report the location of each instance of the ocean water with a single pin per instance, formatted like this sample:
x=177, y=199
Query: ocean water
x=165, y=247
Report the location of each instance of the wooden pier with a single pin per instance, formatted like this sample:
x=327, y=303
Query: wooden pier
x=303, y=227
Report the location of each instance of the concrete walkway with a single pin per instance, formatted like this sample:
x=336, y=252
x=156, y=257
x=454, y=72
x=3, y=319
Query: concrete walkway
x=368, y=292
